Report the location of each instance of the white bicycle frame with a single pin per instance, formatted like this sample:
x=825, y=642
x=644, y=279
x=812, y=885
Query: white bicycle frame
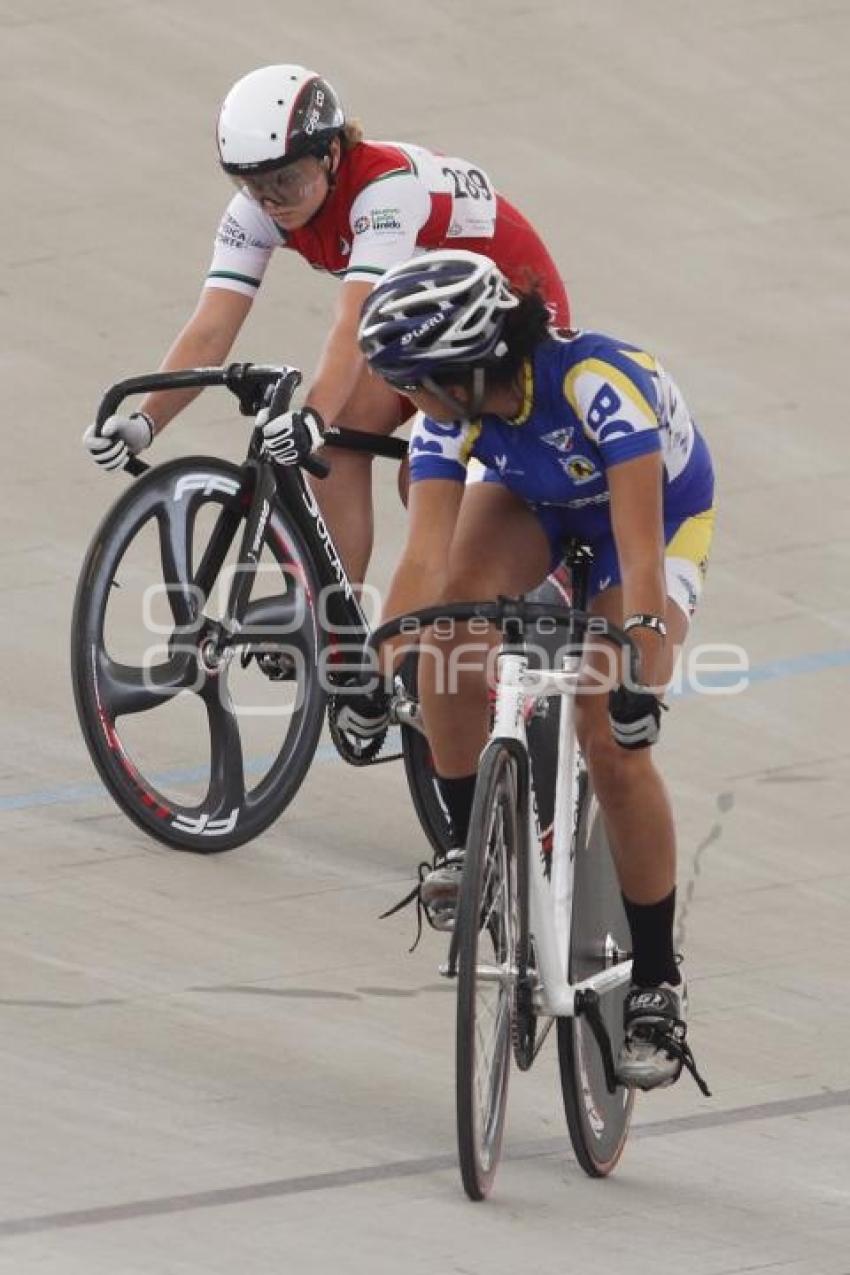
x=551, y=897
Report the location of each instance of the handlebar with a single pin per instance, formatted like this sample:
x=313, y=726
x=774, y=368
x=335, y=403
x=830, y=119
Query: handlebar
x=191, y=378
x=512, y=614
x=285, y=387
x=248, y=381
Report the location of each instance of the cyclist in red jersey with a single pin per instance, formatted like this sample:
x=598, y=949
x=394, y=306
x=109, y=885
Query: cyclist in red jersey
x=307, y=181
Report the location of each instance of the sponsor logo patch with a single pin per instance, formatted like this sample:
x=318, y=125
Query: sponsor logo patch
x=433, y=321
x=562, y=439
x=386, y=219
x=648, y=1000
x=690, y=593
x=580, y=469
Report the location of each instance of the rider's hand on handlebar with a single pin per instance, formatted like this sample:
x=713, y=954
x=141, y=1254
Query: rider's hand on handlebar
x=120, y=438
x=635, y=717
x=289, y=439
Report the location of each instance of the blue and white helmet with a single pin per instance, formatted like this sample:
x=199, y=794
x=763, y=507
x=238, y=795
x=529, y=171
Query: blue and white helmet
x=438, y=312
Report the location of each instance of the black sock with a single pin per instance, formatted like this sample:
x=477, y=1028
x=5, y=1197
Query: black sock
x=457, y=797
x=651, y=925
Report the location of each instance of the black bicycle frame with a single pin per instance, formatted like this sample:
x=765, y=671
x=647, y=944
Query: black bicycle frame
x=269, y=484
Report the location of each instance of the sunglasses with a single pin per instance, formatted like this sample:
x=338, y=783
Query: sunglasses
x=283, y=187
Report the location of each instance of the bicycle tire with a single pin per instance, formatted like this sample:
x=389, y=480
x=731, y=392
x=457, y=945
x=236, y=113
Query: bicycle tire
x=494, y=809
x=223, y=819
x=597, y=1121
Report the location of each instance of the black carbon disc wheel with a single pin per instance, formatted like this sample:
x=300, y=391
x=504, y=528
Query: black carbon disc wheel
x=598, y=1121
x=203, y=753
x=488, y=934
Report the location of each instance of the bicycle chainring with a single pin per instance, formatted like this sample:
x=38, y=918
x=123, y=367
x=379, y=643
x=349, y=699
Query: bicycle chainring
x=352, y=748
x=523, y=1025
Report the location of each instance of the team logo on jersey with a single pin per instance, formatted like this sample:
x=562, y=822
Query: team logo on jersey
x=450, y=429
x=690, y=593
x=560, y=438
x=580, y=470
x=231, y=234
x=425, y=445
x=386, y=219
x=361, y=224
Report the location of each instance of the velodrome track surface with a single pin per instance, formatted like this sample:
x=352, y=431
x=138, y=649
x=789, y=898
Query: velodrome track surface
x=228, y=1064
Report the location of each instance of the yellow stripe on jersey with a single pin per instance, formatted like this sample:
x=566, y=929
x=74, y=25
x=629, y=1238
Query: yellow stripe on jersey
x=469, y=440
x=527, y=395
x=613, y=375
x=692, y=541
x=647, y=361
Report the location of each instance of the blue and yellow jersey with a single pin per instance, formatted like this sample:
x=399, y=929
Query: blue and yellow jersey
x=590, y=402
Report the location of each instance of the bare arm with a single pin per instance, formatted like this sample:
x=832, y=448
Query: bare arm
x=340, y=361
x=637, y=518
x=419, y=578
x=205, y=341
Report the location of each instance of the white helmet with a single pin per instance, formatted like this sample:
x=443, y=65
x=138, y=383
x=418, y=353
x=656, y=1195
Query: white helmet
x=275, y=115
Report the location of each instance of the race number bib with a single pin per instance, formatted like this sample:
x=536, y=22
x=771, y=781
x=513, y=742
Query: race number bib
x=473, y=199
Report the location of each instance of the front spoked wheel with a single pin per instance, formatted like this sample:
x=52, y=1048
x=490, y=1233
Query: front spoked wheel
x=488, y=934
x=202, y=742
x=598, y=1120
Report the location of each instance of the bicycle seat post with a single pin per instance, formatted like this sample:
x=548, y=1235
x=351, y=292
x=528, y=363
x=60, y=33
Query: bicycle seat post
x=513, y=627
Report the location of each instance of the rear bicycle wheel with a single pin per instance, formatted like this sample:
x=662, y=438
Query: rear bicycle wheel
x=488, y=933
x=597, y=1120
x=202, y=754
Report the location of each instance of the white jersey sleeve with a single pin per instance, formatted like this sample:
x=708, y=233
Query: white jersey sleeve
x=244, y=242
x=618, y=412
x=386, y=218
x=441, y=450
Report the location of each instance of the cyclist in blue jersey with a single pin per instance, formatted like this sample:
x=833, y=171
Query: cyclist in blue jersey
x=579, y=435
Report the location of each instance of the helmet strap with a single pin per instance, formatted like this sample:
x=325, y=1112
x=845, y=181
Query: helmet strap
x=479, y=379
x=461, y=411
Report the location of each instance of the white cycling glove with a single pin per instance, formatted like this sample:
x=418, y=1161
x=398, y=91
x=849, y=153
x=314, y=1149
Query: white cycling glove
x=120, y=438
x=289, y=439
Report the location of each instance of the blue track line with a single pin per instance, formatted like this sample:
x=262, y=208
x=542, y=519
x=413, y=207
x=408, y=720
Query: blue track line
x=772, y=671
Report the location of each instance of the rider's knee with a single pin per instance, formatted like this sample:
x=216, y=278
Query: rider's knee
x=611, y=766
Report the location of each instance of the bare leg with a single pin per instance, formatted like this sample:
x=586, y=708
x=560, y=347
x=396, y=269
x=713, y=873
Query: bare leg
x=498, y=547
x=631, y=792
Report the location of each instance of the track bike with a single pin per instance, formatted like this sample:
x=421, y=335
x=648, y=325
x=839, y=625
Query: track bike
x=249, y=624
x=541, y=935
x=249, y=627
